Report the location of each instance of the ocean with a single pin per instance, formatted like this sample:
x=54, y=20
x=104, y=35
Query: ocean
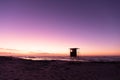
x=80, y=58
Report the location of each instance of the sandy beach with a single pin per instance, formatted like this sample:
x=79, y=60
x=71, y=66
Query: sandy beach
x=19, y=69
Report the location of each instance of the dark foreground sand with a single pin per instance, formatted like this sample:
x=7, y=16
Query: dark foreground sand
x=18, y=69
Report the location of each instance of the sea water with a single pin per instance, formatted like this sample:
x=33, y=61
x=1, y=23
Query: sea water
x=79, y=58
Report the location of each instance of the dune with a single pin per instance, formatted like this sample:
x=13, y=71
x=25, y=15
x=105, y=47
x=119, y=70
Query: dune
x=18, y=69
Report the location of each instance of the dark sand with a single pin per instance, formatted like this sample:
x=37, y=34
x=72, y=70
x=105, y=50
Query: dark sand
x=18, y=69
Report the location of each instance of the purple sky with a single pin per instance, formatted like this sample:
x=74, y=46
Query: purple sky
x=56, y=25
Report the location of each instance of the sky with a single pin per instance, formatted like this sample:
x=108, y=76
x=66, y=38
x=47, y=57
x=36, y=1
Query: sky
x=54, y=26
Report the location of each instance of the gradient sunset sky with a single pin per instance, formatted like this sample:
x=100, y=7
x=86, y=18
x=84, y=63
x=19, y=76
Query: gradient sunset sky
x=53, y=26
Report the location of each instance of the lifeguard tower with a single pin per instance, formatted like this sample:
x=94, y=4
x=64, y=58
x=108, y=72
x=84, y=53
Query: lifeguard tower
x=73, y=52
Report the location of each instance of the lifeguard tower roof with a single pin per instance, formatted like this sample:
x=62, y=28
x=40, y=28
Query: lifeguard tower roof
x=74, y=48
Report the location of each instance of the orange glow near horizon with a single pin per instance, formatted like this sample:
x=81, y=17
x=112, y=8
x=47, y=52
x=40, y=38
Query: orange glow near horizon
x=58, y=50
x=25, y=45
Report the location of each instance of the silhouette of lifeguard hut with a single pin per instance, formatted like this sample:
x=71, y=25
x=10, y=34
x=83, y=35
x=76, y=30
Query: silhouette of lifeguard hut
x=73, y=52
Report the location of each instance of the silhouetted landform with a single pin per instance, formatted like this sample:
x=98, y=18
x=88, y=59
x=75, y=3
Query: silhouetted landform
x=18, y=69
